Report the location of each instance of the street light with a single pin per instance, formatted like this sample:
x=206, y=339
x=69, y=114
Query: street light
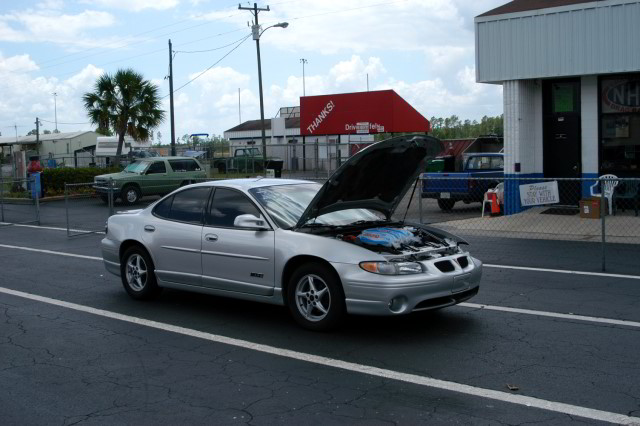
x=255, y=29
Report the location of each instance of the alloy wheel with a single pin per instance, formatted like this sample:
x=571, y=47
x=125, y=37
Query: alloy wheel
x=136, y=272
x=313, y=298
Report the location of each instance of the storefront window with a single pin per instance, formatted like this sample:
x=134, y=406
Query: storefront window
x=620, y=125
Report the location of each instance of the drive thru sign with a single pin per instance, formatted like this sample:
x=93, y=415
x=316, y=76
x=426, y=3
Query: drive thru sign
x=363, y=113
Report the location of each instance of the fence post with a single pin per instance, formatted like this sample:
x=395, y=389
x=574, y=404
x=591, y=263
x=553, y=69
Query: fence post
x=603, y=213
x=66, y=207
x=37, y=201
x=1, y=196
x=110, y=196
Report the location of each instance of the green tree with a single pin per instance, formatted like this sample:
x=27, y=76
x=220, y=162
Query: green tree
x=126, y=103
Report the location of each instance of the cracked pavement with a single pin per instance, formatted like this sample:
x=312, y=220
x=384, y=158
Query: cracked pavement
x=59, y=366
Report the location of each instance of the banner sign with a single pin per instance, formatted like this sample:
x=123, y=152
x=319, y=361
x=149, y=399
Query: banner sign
x=359, y=113
x=537, y=194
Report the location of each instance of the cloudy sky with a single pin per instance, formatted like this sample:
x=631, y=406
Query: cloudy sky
x=423, y=49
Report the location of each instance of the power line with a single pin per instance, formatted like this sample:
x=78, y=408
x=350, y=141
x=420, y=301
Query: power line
x=128, y=45
x=59, y=122
x=213, y=65
x=209, y=50
x=151, y=52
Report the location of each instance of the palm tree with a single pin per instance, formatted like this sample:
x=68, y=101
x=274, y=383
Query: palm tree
x=126, y=103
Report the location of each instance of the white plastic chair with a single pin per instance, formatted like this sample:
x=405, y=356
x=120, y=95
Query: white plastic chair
x=607, y=186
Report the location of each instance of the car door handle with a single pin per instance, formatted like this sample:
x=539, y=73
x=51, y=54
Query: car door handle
x=211, y=237
x=149, y=228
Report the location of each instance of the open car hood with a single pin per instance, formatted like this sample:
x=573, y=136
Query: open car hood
x=376, y=178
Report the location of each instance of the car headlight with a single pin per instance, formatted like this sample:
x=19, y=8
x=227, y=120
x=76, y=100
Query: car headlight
x=392, y=268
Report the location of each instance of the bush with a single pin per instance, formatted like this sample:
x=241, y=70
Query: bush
x=53, y=180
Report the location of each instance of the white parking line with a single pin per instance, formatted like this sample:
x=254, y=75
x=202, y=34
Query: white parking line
x=48, y=228
x=551, y=314
x=487, y=265
x=466, y=305
x=558, y=407
x=563, y=271
x=57, y=253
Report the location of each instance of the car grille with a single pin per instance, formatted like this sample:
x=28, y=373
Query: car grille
x=463, y=261
x=445, y=266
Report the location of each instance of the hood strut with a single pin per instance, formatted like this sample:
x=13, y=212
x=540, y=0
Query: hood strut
x=410, y=199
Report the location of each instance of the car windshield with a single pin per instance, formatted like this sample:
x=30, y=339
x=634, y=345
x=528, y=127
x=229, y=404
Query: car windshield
x=286, y=203
x=137, y=167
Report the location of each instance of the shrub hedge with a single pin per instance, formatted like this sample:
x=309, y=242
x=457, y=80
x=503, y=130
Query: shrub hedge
x=53, y=180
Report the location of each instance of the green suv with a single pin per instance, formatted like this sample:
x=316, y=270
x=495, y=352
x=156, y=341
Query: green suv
x=149, y=176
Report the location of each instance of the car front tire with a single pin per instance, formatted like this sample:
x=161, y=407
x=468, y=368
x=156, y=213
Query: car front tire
x=130, y=195
x=138, y=274
x=315, y=298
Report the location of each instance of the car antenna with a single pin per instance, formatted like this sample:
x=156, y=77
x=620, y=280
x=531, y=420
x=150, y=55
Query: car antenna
x=410, y=199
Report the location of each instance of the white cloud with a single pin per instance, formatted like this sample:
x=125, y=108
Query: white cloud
x=47, y=25
x=18, y=62
x=25, y=97
x=51, y=4
x=134, y=5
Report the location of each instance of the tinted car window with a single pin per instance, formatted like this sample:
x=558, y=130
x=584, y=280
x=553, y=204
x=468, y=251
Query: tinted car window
x=163, y=208
x=184, y=165
x=178, y=165
x=188, y=205
x=157, y=167
x=227, y=205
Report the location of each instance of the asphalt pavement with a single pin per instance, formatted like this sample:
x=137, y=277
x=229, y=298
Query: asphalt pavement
x=85, y=353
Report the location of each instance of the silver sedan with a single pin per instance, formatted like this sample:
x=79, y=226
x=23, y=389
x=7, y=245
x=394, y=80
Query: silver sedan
x=321, y=250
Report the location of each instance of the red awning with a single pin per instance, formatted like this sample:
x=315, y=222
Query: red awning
x=382, y=111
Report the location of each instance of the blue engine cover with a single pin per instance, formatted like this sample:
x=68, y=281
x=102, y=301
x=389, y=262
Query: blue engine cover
x=387, y=237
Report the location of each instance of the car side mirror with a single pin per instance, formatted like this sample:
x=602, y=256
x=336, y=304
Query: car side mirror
x=250, y=221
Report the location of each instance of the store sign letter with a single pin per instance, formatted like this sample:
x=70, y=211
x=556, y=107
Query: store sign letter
x=537, y=194
x=320, y=118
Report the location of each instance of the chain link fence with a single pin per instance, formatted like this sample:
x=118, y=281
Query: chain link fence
x=19, y=201
x=491, y=210
x=87, y=207
x=507, y=219
x=292, y=160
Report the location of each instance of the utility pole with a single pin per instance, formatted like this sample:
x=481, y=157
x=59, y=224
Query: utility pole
x=303, y=61
x=304, y=140
x=239, y=110
x=37, y=131
x=55, y=110
x=255, y=29
x=173, y=125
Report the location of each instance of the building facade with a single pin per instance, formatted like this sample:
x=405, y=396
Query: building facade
x=570, y=72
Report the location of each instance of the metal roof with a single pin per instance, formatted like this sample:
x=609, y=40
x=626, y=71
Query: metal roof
x=525, y=5
x=289, y=123
x=31, y=139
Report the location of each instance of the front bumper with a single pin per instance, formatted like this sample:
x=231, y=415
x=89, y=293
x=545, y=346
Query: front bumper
x=372, y=294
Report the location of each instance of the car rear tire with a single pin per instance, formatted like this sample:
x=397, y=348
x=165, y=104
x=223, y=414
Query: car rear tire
x=315, y=297
x=446, y=205
x=130, y=195
x=138, y=274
